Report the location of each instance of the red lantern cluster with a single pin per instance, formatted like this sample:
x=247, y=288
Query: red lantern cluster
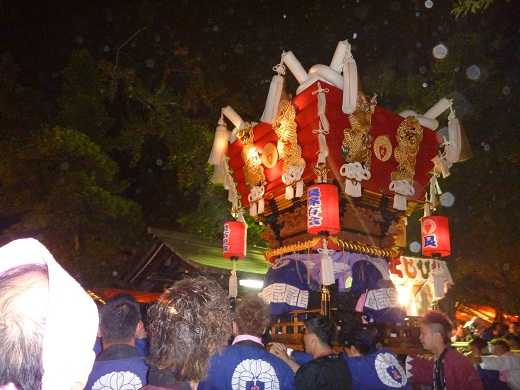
x=234, y=241
x=435, y=236
x=323, y=209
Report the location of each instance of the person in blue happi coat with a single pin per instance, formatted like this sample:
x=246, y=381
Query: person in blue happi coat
x=246, y=364
x=120, y=364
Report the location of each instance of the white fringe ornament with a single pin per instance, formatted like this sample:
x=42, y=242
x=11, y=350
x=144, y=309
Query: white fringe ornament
x=274, y=95
x=233, y=281
x=327, y=266
x=350, y=82
x=402, y=189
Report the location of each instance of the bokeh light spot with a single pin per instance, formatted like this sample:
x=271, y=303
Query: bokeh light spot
x=415, y=247
x=473, y=72
x=447, y=199
x=440, y=51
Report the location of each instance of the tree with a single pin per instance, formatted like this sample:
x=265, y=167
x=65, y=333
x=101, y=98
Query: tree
x=63, y=188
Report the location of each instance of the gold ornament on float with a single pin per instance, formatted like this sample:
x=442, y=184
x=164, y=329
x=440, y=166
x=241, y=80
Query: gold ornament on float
x=383, y=148
x=269, y=155
x=253, y=169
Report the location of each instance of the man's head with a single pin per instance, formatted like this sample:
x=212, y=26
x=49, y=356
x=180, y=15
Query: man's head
x=23, y=311
x=514, y=328
x=119, y=320
x=512, y=340
x=435, y=331
x=478, y=346
x=252, y=316
x=498, y=347
x=357, y=342
x=319, y=333
x=48, y=323
x=191, y=322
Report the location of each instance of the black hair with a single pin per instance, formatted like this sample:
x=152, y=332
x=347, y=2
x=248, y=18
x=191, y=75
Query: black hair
x=119, y=318
x=324, y=328
x=362, y=339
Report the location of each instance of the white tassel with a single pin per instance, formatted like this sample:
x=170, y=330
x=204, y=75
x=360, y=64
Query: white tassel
x=219, y=174
x=327, y=266
x=273, y=99
x=289, y=192
x=438, y=286
x=294, y=66
x=352, y=189
x=433, y=190
x=322, y=106
x=350, y=82
x=400, y=202
x=324, y=124
x=355, y=173
x=240, y=217
x=453, y=150
x=220, y=143
x=402, y=189
x=253, y=210
x=233, y=281
x=261, y=206
x=427, y=211
x=299, y=188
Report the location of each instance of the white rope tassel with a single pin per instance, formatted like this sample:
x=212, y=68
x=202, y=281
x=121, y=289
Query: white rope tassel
x=289, y=192
x=254, y=197
x=261, y=206
x=253, y=210
x=233, y=281
x=427, y=210
x=240, y=217
x=355, y=173
x=454, y=131
x=402, y=189
x=218, y=152
x=273, y=98
x=322, y=105
x=350, y=82
x=220, y=142
x=299, y=188
x=327, y=266
x=434, y=190
x=324, y=124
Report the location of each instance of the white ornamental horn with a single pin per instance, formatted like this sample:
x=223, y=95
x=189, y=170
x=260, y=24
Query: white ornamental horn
x=339, y=55
x=350, y=82
x=274, y=95
x=295, y=67
x=438, y=108
x=234, y=117
x=423, y=121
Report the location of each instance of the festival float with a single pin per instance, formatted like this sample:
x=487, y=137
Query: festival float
x=333, y=176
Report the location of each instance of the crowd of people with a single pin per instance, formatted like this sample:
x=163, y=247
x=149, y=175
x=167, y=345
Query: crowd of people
x=53, y=337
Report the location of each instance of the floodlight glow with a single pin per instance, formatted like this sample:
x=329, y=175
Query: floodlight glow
x=251, y=283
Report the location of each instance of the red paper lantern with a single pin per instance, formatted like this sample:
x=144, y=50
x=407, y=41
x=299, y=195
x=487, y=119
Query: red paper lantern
x=234, y=241
x=435, y=236
x=323, y=209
